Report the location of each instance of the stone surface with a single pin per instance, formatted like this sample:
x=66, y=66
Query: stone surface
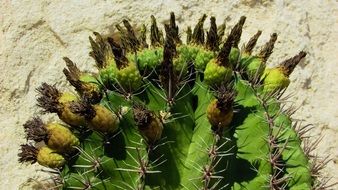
x=35, y=35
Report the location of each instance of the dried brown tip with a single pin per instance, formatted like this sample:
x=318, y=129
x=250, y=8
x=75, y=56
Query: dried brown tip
x=72, y=74
x=142, y=116
x=289, y=65
x=220, y=32
x=49, y=98
x=35, y=130
x=223, y=55
x=143, y=37
x=100, y=50
x=225, y=97
x=119, y=54
x=236, y=31
x=115, y=47
x=125, y=44
x=155, y=34
x=131, y=37
x=266, y=51
x=198, y=34
x=167, y=76
x=83, y=108
x=174, y=29
x=252, y=43
x=28, y=154
x=212, y=37
x=189, y=35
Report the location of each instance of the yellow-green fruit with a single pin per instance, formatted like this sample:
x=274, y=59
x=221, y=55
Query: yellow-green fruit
x=274, y=79
x=49, y=158
x=219, y=118
x=60, y=138
x=215, y=74
x=90, y=87
x=104, y=121
x=66, y=114
x=129, y=77
x=153, y=131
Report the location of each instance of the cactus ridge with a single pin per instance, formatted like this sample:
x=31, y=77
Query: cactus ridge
x=163, y=114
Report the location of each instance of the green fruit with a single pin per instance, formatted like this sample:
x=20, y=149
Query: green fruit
x=186, y=55
x=233, y=56
x=149, y=59
x=188, y=51
x=129, y=78
x=215, y=74
x=255, y=67
x=202, y=59
x=108, y=74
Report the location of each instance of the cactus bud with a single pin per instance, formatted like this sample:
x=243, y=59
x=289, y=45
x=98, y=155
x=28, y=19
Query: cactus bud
x=148, y=124
x=84, y=83
x=202, y=59
x=128, y=77
x=278, y=78
x=99, y=118
x=149, y=59
x=56, y=136
x=44, y=156
x=233, y=56
x=220, y=111
x=216, y=74
x=274, y=79
x=53, y=101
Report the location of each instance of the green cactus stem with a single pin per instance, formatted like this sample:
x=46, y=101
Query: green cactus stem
x=171, y=115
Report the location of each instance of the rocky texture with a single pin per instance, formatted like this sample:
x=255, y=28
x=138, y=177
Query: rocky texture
x=35, y=35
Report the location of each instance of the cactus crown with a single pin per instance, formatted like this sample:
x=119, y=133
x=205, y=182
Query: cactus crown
x=169, y=115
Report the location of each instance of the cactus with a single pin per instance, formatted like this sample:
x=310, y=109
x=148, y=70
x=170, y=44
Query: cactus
x=169, y=115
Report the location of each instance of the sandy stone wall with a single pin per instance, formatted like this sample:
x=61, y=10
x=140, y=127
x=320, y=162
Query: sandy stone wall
x=36, y=34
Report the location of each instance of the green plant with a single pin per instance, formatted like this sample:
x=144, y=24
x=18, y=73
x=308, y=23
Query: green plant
x=170, y=115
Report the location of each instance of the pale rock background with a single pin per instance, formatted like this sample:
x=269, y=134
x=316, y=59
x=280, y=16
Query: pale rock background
x=36, y=34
